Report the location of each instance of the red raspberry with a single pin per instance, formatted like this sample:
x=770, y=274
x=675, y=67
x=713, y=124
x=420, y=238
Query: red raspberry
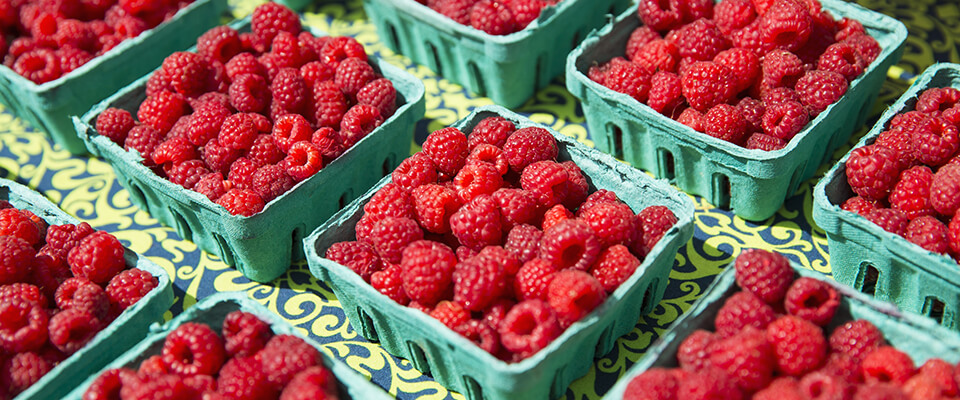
x=911, y=195
x=289, y=129
x=523, y=240
x=699, y=40
x=81, y=293
x=128, y=287
x=265, y=150
x=270, y=18
x=477, y=179
x=570, y=244
x=144, y=139
x=18, y=223
x=942, y=375
x=786, y=25
x=427, y=271
x=238, y=131
x=528, y=327
x=187, y=72
x=153, y=365
x=477, y=223
x=778, y=95
x=529, y=145
x=162, y=110
x=286, y=52
x=492, y=17
x=115, y=123
x=879, y=391
x=245, y=378
x=174, y=150
x=478, y=281
x=450, y=313
x=62, y=238
x=554, y=215
x=653, y=222
x=856, y=339
x=23, y=292
x=72, y=58
x=107, y=385
x=782, y=388
x=743, y=64
x=866, y=45
x=218, y=157
x=392, y=234
x=843, y=59
x=741, y=310
x=389, y=281
x=249, y=93
x=433, y=205
x=205, y=122
x=532, y=279
x=889, y=219
x=241, y=173
x=732, y=15
x=303, y=160
x=763, y=273
x=23, y=326
x=72, y=328
x=241, y=202
x=525, y=11
x=706, y=84
x=316, y=72
x=517, y=206
x=186, y=173
x=358, y=122
x=379, y=94
x=490, y=130
x=928, y=232
x=746, y=357
x=22, y=370
x=785, y=120
x=872, y=171
x=40, y=65
x=611, y=222
x=339, y=48
x=598, y=197
x=16, y=259
x=657, y=55
x=614, y=266
x=819, y=89
x=220, y=43
x=352, y=74
x=652, y=384
x=415, y=171
x=781, y=68
x=288, y=90
x=860, y=205
x=725, y=122
x=447, y=148
x=629, y=78
x=489, y=154
x=944, y=189
x=547, y=181
x=244, y=334
x=573, y=294
x=708, y=383
x=391, y=200
x=764, y=142
x=887, y=364
x=819, y=384
x=358, y=256
x=936, y=141
x=192, y=349
x=812, y=300
x=639, y=37
x=97, y=257
x=328, y=142
x=799, y=345
x=665, y=95
x=457, y=10
x=316, y=382
x=693, y=352
x=660, y=15
x=937, y=100
x=365, y=226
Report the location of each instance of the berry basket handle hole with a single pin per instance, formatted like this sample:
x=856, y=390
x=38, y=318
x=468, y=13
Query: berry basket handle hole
x=867, y=278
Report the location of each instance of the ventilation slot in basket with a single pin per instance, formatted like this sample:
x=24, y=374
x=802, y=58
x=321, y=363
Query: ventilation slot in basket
x=721, y=191
x=435, y=58
x=615, y=135
x=296, y=239
x=472, y=389
x=183, y=228
x=665, y=164
x=344, y=199
x=392, y=37
x=418, y=358
x=136, y=195
x=225, y=254
x=933, y=308
x=476, y=79
x=867, y=279
x=388, y=165
x=648, y=304
x=367, y=328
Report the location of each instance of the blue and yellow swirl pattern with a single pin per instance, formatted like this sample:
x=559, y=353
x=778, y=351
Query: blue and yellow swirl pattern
x=88, y=189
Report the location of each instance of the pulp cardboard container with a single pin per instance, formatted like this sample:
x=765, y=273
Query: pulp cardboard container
x=262, y=246
x=120, y=335
x=49, y=106
x=878, y=262
x=508, y=69
x=919, y=337
x=212, y=311
x=752, y=183
x=458, y=363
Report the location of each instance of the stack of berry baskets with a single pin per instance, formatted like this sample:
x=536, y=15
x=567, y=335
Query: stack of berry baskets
x=889, y=206
x=738, y=102
x=227, y=346
x=291, y=135
x=71, y=297
x=477, y=262
x=772, y=330
x=59, y=62
x=504, y=50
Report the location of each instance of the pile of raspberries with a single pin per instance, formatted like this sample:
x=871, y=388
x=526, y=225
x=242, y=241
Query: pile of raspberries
x=750, y=72
x=495, y=17
x=59, y=286
x=249, y=115
x=908, y=180
x=771, y=342
x=496, y=239
x=245, y=361
x=44, y=39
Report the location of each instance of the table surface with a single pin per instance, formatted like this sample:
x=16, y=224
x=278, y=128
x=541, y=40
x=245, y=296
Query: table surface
x=88, y=189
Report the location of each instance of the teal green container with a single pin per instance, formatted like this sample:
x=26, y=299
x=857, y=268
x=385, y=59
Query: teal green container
x=49, y=106
x=751, y=183
x=508, y=69
x=919, y=337
x=211, y=311
x=461, y=365
x=120, y=335
x=878, y=262
x=262, y=246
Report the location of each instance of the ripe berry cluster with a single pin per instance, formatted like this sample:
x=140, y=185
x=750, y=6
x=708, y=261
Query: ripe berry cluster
x=908, y=180
x=495, y=17
x=45, y=39
x=751, y=72
x=770, y=343
x=59, y=286
x=498, y=240
x=249, y=115
x=247, y=362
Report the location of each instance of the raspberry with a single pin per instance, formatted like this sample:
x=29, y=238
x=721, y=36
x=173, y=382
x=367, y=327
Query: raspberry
x=942, y=374
x=316, y=382
x=944, y=189
x=532, y=279
x=489, y=154
x=554, y=215
x=245, y=378
x=732, y=15
x=357, y=123
x=911, y=195
x=352, y=74
x=392, y=234
x=23, y=292
x=786, y=25
x=613, y=223
x=652, y=384
x=781, y=68
x=856, y=339
x=492, y=17
x=699, y=40
x=547, y=181
x=427, y=271
x=614, y=266
x=819, y=89
x=144, y=139
x=570, y=244
x=379, y=94
x=244, y=334
x=653, y=222
x=741, y=310
x=16, y=259
x=241, y=202
x=742, y=63
x=239, y=131
x=389, y=281
x=358, y=256
x=799, y=345
x=477, y=179
x=928, y=232
x=17, y=223
x=249, y=93
x=657, y=55
x=866, y=46
x=936, y=141
x=477, y=223
x=937, y=100
x=220, y=43
x=450, y=313
x=339, y=48
x=415, y=171
x=764, y=142
x=785, y=120
x=872, y=171
x=153, y=365
x=162, y=110
x=270, y=18
x=573, y=294
x=286, y=52
x=629, y=78
x=528, y=327
x=491, y=130
x=692, y=354
x=72, y=58
x=517, y=206
x=725, y=122
x=328, y=143
x=782, y=388
x=23, y=326
x=763, y=273
x=174, y=150
x=115, y=123
x=778, y=95
x=192, y=349
x=706, y=84
x=746, y=357
x=71, y=329
x=812, y=300
x=659, y=15
x=447, y=148
x=457, y=10
x=365, y=226
x=128, y=287
x=82, y=294
x=97, y=257
x=818, y=384
x=478, y=281
x=433, y=205
x=187, y=72
x=288, y=91
x=709, y=383
x=107, y=385
x=529, y=145
x=64, y=237
x=665, y=94
x=879, y=391
x=40, y=66
x=187, y=173
x=887, y=364
x=205, y=122
x=525, y=11
x=22, y=370
x=889, y=219
x=303, y=160
x=860, y=205
x=523, y=240
x=843, y=59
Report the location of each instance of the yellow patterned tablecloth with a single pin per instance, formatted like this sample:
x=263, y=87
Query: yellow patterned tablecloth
x=88, y=189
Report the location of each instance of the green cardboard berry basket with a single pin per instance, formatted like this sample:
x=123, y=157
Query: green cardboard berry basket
x=752, y=183
x=508, y=69
x=125, y=331
x=878, y=262
x=458, y=363
x=211, y=311
x=49, y=106
x=919, y=337
x=262, y=246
